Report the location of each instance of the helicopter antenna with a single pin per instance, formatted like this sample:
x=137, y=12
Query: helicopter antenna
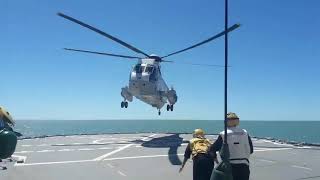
x=235, y=26
x=103, y=34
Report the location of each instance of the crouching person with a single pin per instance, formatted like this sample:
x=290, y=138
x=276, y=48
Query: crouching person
x=203, y=161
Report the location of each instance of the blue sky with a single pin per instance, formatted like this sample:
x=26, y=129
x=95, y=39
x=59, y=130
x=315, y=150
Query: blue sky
x=274, y=57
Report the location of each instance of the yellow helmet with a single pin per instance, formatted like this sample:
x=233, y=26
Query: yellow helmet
x=5, y=115
x=232, y=119
x=198, y=133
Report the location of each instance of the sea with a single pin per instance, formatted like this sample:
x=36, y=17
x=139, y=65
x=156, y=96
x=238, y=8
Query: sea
x=289, y=131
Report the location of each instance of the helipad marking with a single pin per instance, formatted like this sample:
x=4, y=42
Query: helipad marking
x=105, y=148
x=264, y=160
x=120, y=149
x=301, y=167
x=66, y=150
x=110, y=165
x=41, y=145
x=112, y=152
x=58, y=162
x=140, y=157
x=44, y=151
x=24, y=152
x=124, y=158
x=26, y=145
x=121, y=173
x=86, y=149
x=271, y=149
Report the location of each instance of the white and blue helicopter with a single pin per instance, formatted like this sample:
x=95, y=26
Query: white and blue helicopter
x=145, y=82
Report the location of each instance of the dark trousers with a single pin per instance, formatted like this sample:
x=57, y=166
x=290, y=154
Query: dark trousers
x=240, y=171
x=203, y=165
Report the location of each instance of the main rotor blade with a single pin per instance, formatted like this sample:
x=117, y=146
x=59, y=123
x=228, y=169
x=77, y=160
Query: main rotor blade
x=102, y=53
x=103, y=34
x=235, y=26
x=195, y=64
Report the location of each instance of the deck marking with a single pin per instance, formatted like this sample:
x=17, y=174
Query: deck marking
x=121, y=173
x=104, y=148
x=140, y=157
x=24, y=152
x=271, y=149
x=41, y=145
x=44, y=151
x=110, y=165
x=112, y=152
x=264, y=160
x=65, y=150
x=120, y=149
x=26, y=145
x=86, y=149
x=301, y=167
x=58, y=162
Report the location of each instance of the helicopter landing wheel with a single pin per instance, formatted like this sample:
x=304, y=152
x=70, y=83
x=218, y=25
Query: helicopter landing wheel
x=159, y=112
x=124, y=104
x=170, y=107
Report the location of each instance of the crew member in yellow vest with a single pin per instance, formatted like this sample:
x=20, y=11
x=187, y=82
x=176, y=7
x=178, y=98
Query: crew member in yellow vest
x=203, y=161
x=6, y=120
x=240, y=147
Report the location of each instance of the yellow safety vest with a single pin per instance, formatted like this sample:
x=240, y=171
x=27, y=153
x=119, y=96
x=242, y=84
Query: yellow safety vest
x=199, y=146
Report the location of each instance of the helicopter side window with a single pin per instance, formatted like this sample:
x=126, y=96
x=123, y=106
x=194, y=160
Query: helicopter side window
x=149, y=69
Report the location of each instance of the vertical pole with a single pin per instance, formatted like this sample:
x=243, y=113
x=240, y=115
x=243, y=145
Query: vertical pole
x=226, y=72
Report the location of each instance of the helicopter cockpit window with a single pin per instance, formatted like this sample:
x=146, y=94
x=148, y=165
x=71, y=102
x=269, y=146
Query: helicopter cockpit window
x=138, y=68
x=149, y=69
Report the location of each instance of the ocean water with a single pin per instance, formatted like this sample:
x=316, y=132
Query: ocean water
x=298, y=131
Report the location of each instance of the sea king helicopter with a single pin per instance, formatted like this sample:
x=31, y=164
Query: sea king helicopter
x=145, y=82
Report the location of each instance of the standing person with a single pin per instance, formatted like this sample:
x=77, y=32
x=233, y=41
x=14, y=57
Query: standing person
x=203, y=161
x=240, y=147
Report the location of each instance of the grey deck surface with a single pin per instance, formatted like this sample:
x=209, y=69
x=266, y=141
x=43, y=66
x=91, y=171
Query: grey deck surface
x=144, y=156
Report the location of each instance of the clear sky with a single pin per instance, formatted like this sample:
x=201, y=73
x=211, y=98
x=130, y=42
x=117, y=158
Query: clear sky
x=275, y=58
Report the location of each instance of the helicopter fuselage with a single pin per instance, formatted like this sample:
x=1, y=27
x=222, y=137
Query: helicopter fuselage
x=147, y=85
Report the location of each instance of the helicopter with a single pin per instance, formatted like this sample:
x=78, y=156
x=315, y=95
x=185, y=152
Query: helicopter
x=145, y=81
